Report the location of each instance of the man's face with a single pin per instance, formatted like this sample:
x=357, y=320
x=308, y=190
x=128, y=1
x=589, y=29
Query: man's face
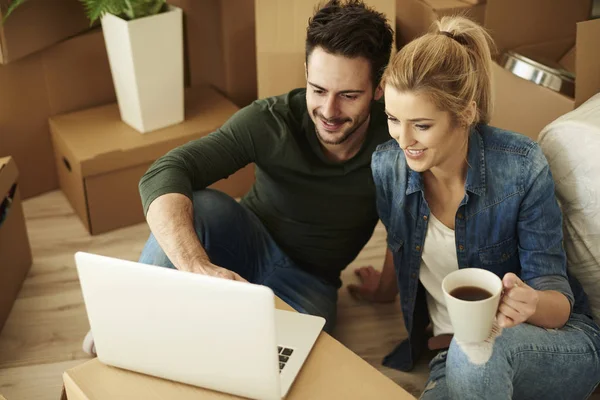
x=339, y=92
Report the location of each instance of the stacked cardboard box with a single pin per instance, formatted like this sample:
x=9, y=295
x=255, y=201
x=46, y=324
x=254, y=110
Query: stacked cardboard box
x=71, y=75
x=56, y=69
x=100, y=159
x=15, y=253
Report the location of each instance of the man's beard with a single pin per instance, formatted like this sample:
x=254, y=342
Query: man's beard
x=345, y=136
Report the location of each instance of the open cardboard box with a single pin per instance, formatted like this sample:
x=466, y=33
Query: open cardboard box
x=560, y=33
x=38, y=24
x=15, y=253
x=100, y=159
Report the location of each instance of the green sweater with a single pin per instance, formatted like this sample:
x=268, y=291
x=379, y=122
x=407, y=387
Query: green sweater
x=320, y=213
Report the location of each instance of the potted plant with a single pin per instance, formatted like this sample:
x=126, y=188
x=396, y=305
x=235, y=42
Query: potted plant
x=144, y=42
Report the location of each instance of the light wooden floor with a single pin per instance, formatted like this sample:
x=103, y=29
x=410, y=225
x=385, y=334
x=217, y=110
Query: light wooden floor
x=43, y=335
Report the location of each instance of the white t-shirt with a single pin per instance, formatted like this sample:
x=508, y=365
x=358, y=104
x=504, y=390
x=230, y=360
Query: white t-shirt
x=438, y=260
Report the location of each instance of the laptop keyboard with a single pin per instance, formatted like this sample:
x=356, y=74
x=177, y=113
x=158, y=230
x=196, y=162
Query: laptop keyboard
x=284, y=356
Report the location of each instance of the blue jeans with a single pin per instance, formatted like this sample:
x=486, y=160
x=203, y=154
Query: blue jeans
x=527, y=362
x=234, y=238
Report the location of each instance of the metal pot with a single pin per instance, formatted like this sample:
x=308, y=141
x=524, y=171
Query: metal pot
x=540, y=72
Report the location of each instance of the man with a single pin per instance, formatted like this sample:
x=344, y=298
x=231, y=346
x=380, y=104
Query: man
x=312, y=207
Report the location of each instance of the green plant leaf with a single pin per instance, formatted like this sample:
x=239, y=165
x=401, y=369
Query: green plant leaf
x=95, y=9
x=11, y=7
x=144, y=8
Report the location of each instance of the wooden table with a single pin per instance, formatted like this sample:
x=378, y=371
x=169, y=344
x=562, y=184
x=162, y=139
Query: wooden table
x=331, y=372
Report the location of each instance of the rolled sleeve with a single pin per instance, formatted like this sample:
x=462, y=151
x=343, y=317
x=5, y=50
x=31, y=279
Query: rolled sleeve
x=557, y=283
x=541, y=251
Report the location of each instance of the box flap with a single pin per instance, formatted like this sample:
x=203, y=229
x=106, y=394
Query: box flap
x=549, y=53
x=587, y=61
x=8, y=175
x=100, y=141
x=514, y=23
x=567, y=61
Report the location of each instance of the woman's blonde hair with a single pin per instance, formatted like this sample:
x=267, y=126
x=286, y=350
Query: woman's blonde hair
x=452, y=64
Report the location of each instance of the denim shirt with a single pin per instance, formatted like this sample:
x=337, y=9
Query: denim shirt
x=508, y=221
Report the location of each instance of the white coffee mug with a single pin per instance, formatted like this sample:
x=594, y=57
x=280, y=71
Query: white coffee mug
x=472, y=321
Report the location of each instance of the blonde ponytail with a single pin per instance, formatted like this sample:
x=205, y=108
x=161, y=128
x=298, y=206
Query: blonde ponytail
x=452, y=64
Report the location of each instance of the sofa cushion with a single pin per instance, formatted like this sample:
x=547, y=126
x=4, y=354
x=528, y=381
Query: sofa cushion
x=572, y=146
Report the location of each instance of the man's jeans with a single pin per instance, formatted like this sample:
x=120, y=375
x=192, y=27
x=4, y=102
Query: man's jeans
x=527, y=362
x=235, y=239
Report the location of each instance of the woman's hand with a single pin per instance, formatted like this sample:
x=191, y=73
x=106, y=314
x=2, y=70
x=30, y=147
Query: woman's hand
x=369, y=288
x=518, y=303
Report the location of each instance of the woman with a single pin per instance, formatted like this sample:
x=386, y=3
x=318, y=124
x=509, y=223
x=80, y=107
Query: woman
x=454, y=193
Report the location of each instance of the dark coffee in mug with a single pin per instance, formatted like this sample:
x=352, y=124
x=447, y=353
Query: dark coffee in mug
x=470, y=293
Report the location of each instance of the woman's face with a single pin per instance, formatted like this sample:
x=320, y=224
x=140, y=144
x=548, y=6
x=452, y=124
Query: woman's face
x=429, y=137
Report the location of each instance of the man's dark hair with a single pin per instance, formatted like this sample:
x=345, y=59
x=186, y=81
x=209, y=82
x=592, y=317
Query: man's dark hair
x=351, y=29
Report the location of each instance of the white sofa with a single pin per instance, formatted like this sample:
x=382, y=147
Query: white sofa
x=572, y=146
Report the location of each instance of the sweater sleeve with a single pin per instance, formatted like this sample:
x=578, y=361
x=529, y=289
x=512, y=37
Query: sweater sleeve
x=202, y=162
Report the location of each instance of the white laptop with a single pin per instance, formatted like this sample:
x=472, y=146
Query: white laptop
x=209, y=332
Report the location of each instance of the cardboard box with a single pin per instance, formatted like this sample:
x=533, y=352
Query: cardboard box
x=280, y=40
x=24, y=133
x=69, y=76
x=415, y=17
x=77, y=74
x=238, y=42
x=38, y=24
x=220, y=46
x=100, y=159
x=15, y=252
x=521, y=105
x=330, y=372
x=74, y=75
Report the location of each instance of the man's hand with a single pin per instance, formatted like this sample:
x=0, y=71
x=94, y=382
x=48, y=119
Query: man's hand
x=518, y=303
x=369, y=288
x=211, y=269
